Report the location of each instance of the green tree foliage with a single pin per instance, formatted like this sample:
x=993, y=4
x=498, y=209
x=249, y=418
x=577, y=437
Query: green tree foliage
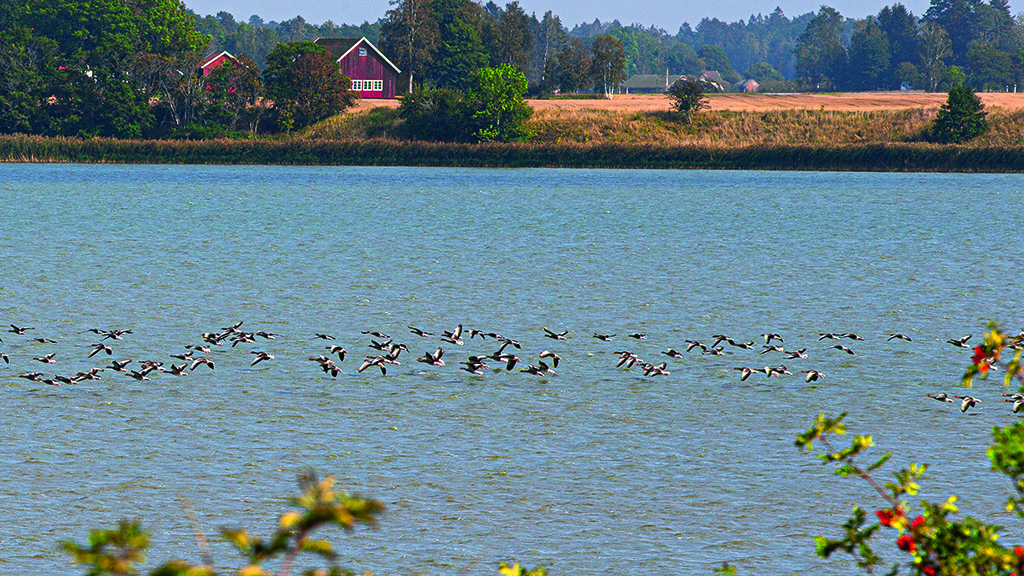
x=869, y=56
x=907, y=74
x=234, y=90
x=961, y=118
x=177, y=85
x=762, y=71
x=28, y=72
x=102, y=47
x=991, y=69
x=435, y=114
x=967, y=21
x=305, y=84
x=319, y=505
x=935, y=51
x=510, y=38
x=681, y=59
x=901, y=30
x=687, y=97
x=607, y=64
x=715, y=58
x=496, y=98
x=820, y=56
x=573, y=66
x=460, y=50
x=952, y=76
x=493, y=109
x=549, y=40
x=410, y=34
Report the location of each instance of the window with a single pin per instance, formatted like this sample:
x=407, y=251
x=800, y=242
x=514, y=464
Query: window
x=362, y=51
x=378, y=85
x=357, y=85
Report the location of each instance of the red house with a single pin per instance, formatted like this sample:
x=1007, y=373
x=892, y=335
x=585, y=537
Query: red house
x=372, y=74
x=214, y=61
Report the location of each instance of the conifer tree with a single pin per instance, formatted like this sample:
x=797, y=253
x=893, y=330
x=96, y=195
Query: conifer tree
x=961, y=118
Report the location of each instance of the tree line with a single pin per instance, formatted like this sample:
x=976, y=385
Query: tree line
x=972, y=41
x=954, y=42
x=114, y=68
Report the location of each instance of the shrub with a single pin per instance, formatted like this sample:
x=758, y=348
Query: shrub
x=687, y=97
x=437, y=114
x=933, y=540
x=961, y=118
x=496, y=97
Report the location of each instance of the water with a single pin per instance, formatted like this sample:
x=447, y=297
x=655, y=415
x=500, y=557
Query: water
x=594, y=470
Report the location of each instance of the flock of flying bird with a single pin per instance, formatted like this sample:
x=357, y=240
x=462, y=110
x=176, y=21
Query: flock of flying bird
x=386, y=352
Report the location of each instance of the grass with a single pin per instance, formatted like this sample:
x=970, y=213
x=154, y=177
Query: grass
x=710, y=128
x=787, y=139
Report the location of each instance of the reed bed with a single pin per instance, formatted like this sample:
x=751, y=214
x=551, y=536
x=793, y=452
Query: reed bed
x=912, y=156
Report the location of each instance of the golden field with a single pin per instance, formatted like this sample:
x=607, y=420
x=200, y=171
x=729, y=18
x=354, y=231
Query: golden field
x=734, y=120
x=839, y=102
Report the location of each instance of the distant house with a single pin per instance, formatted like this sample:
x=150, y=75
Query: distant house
x=214, y=61
x=748, y=86
x=649, y=83
x=714, y=80
x=372, y=74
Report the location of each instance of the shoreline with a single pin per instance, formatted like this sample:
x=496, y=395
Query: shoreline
x=886, y=157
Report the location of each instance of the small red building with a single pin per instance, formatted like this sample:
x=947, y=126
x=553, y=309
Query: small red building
x=372, y=74
x=214, y=61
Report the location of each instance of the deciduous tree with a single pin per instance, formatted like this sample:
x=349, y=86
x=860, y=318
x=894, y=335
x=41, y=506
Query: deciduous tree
x=608, y=64
x=410, y=33
x=499, y=110
x=510, y=39
x=935, y=49
x=305, y=84
x=573, y=66
x=687, y=97
x=820, y=56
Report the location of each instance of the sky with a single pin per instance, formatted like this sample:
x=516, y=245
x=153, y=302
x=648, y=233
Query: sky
x=668, y=15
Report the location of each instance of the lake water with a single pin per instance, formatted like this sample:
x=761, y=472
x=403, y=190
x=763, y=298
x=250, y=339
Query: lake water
x=594, y=470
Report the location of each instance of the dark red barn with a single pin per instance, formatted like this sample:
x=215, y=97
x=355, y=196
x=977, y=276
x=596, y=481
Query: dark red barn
x=372, y=74
x=213, y=61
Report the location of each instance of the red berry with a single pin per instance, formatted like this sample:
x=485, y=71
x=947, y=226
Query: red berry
x=906, y=543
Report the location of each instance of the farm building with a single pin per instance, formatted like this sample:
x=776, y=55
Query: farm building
x=372, y=74
x=648, y=83
x=214, y=61
x=748, y=86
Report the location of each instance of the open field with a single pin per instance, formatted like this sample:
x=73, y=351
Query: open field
x=841, y=102
x=734, y=120
x=877, y=132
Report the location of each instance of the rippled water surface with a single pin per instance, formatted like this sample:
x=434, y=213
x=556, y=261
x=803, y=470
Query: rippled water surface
x=594, y=470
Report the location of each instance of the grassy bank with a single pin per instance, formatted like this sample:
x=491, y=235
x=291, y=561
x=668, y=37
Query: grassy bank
x=778, y=140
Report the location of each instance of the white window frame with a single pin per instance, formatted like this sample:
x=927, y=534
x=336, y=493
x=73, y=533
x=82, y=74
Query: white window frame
x=357, y=85
x=378, y=86
x=362, y=51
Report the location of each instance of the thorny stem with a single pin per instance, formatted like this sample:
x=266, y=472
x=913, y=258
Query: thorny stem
x=863, y=474
x=286, y=567
x=197, y=529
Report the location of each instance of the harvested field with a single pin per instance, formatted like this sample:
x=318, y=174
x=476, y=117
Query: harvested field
x=845, y=102
x=842, y=102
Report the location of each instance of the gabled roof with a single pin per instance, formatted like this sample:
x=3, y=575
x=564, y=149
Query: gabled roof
x=714, y=76
x=340, y=47
x=211, y=58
